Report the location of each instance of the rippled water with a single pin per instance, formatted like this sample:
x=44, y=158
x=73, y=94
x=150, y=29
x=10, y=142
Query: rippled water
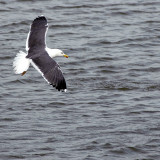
x=112, y=108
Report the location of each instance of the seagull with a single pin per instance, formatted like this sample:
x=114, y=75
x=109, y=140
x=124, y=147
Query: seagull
x=40, y=56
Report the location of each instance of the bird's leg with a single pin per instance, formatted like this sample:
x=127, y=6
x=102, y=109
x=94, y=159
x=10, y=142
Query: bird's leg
x=23, y=73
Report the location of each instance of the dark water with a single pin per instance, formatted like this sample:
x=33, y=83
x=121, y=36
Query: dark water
x=112, y=108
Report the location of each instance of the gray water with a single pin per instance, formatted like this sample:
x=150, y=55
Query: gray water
x=111, y=110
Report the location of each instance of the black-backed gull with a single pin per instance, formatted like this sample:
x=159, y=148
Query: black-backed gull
x=40, y=56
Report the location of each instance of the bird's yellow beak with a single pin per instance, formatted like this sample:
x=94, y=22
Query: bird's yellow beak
x=65, y=55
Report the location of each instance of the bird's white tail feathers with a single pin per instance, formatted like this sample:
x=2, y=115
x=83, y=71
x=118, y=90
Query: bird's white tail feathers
x=21, y=63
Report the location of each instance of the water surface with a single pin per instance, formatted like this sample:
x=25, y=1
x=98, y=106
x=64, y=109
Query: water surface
x=111, y=110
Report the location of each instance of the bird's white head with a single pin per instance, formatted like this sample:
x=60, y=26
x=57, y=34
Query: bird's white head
x=55, y=53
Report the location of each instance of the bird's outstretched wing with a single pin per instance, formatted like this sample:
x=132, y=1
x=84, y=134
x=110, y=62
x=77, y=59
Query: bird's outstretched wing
x=37, y=34
x=50, y=70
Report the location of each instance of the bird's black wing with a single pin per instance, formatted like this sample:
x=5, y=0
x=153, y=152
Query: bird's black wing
x=50, y=70
x=37, y=35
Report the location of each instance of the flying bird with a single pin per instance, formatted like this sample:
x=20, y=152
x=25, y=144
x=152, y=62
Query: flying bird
x=40, y=56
